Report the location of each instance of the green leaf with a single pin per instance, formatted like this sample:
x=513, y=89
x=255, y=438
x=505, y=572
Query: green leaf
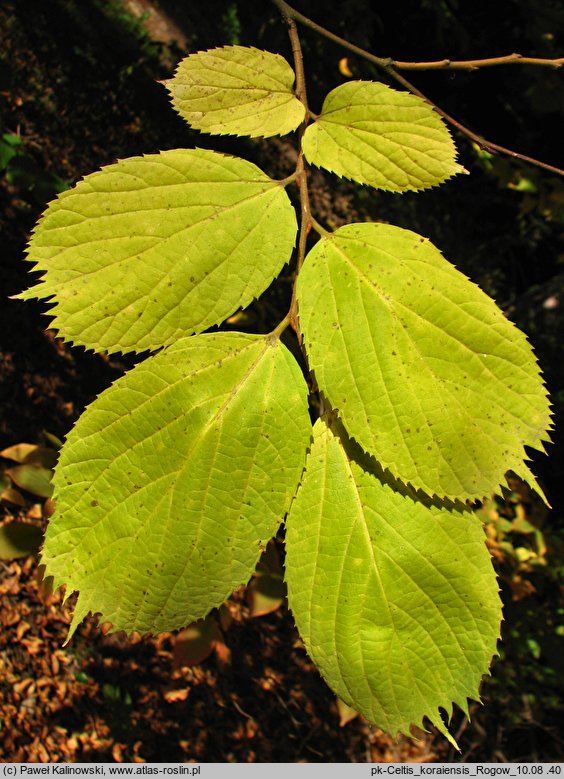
x=55, y=442
x=8, y=148
x=153, y=248
x=376, y=135
x=397, y=603
x=32, y=478
x=19, y=539
x=235, y=90
x=266, y=590
x=194, y=644
x=346, y=713
x=175, y=477
x=31, y=454
x=426, y=372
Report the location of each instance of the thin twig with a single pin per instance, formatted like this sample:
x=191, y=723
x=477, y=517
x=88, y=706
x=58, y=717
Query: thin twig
x=444, y=64
x=482, y=142
x=486, y=62
x=389, y=66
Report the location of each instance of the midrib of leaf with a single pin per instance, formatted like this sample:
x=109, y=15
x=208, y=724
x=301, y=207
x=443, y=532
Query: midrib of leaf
x=406, y=128
x=357, y=131
x=387, y=159
x=446, y=380
x=199, y=224
x=382, y=594
x=405, y=540
x=372, y=559
x=140, y=258
x=371, y=556
x=252, y=102
x=217, y=162
x=204, y=494
x=236, y=90
x=219, y=269
x=277, y=438
x=333, y=287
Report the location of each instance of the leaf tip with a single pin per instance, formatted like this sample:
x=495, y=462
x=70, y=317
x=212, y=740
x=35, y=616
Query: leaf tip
x=442, y=728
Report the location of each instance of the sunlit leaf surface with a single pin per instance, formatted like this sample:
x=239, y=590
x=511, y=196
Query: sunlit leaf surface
x=153, y=248
x=397, y=603
x=424, y=369
x=376, y=135
x=175, y=478
x=238, y=91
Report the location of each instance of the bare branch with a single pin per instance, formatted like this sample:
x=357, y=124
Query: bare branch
x=391, y=67
x=488, y=62
x=482, y=142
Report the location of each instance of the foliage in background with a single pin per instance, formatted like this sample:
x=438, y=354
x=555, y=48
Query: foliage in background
x=30, y=471
x=22, y=170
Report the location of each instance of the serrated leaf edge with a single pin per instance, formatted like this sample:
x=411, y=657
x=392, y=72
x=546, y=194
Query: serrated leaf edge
x=434, y=718
x=227, y=132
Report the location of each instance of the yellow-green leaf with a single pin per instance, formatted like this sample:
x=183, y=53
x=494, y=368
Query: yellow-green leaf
x=376, y=135
x=154, y=248
x=424, y=369
x=174, y=479
x=397, y=603
x=236, y=90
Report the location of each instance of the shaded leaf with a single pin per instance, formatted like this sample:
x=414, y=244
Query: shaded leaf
x=12, y=496
x=8, y=493
x=195, y=643
x=153, y=248
x=32, y=478
x=31, y=454
x=346, y=713
x=265, y=594
x=55, y=442
x=19, y=539
x=376, y=135
x=8, y=148
x=18, y=452
x=426, y=372
x=225, y=617
x=174, y=479
x=235, y=90
x=266, y=590
x=397, y=603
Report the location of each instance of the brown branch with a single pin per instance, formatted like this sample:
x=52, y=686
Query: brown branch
x=487, y=62
x=290, y=13
x=301, y=93
x=482, y=142
x=389, y=66
x=301, y=172
x=444, y=64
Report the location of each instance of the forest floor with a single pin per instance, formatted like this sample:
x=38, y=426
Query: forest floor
x=107, y=698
